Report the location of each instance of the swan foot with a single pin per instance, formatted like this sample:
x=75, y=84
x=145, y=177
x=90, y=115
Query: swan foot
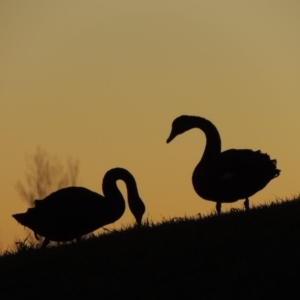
x=246, y=204
x=218, y=207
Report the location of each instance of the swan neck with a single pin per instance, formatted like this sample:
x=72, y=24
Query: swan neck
x=109, y=185
x=111, y=191
x=213, y=140
x=110, y=188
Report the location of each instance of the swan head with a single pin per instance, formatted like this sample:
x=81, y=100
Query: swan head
x=181, y=125
x=137, y=208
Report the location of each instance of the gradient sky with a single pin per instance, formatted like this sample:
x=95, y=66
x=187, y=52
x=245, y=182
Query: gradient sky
x=102, y=81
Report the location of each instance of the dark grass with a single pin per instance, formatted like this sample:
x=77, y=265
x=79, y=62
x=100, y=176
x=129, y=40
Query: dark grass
x=245, y=255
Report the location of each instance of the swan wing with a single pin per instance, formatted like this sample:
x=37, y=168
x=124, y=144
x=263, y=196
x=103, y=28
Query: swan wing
x=235, y=174
x=67, y=214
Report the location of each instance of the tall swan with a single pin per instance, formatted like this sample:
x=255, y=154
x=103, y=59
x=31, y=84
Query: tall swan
x=225, y=176
x=72, y=212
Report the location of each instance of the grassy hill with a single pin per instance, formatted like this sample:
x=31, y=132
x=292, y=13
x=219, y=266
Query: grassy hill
x=245, y=255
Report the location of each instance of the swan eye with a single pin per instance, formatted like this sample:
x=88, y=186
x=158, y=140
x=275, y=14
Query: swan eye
x=227, y=176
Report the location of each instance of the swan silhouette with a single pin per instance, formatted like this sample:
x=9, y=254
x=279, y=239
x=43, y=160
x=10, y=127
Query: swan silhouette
x=225, y=176
x=72, y=212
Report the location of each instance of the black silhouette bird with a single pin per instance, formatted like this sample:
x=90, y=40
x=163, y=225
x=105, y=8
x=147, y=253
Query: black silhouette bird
x=225, y=176
x=72, y=212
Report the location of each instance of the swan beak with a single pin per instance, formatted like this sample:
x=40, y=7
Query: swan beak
x=171, y=137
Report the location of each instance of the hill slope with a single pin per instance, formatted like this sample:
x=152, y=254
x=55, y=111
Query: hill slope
x=238, y=254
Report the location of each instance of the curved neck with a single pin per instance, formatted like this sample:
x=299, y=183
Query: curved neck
x=111, y=191
x=213, y=140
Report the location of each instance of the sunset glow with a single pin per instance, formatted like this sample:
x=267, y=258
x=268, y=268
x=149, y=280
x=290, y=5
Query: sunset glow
x=102, y=81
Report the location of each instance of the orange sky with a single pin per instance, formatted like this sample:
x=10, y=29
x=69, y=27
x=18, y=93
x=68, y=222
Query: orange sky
x=102, y=81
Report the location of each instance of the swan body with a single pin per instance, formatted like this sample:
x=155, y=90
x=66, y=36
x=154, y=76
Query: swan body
x=225, y=176
x=72, y=212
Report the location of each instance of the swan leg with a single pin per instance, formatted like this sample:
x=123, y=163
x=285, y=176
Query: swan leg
x=36, y=236
x=45, y=243
x=218, y=207
x=246, y=204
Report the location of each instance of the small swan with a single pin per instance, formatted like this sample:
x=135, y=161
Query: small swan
x=225, y=176
x=72, y=212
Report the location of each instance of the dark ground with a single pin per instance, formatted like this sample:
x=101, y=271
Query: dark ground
x=245, y=255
